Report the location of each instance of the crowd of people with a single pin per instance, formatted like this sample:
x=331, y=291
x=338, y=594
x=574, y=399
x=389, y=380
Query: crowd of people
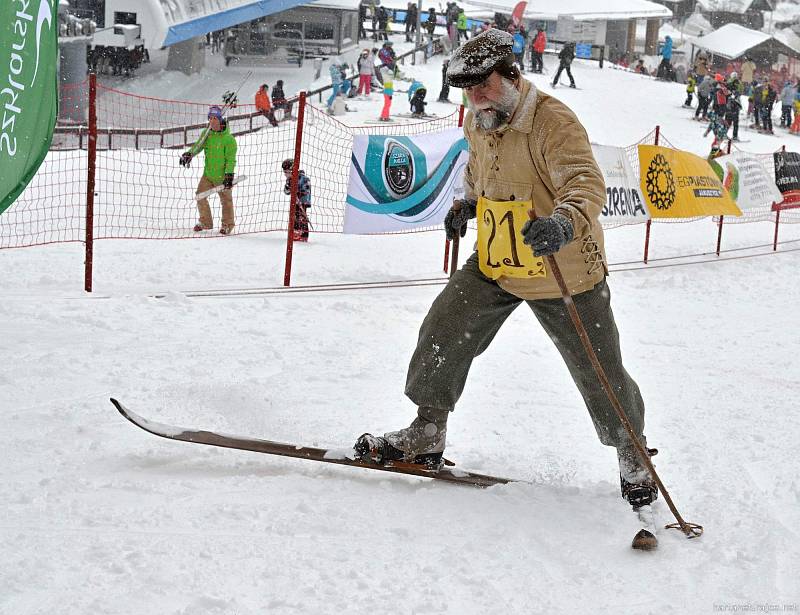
x=719, y=99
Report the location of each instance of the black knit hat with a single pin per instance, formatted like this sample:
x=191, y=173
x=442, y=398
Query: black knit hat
x=479, y=57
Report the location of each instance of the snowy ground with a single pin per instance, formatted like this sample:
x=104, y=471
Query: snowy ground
x=100, y=517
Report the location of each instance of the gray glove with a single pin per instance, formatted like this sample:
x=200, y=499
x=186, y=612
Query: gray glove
x=547, y=236
x=455, y=222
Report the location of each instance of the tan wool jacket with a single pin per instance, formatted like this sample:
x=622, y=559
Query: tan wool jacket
x=543, y=155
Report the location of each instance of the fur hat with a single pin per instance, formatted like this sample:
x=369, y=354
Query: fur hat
x=479, y=57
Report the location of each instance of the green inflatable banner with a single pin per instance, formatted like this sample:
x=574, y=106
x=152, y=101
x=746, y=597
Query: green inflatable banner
x=28, y=91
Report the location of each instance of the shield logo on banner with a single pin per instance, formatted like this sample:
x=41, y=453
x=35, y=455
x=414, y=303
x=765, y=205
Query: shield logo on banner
x=398, y=169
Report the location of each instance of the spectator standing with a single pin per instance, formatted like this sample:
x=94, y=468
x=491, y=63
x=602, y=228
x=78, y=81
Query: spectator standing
x=444, y=93
x=461, y=25
x=704, y=91
x=518, y=48
x=537, y=49
x=279, y=99
x=411, y=21
x=767, y=97
x=788, y=94
x=665, y=68
x=748, y=69
x=701, y=65
x=263, y=104
x=383, y=23
x=366, y=69
x=362, y=16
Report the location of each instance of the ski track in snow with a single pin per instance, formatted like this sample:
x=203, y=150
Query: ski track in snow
x=100, y=517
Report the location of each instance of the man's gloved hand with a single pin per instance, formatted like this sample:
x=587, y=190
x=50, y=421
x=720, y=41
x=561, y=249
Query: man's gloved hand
x=186, y=159
x=455, y=222
x=547, y=236
x=228, y=181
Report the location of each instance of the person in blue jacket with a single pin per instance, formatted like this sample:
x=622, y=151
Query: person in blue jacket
x=665, y=70
x=518, y=49
x=336, y=82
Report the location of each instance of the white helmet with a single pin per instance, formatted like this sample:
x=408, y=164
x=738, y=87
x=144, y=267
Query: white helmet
x=734, y=75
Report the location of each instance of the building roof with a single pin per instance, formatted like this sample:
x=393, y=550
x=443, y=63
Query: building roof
x=733, y=41
x=167, y=23
x=581, y=10
x=733, y=6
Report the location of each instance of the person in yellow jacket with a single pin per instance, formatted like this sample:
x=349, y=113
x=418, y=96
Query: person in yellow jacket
x=528, y=147
x=691, y=84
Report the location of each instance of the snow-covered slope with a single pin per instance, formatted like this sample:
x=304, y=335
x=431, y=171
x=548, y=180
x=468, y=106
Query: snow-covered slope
x=99, y=517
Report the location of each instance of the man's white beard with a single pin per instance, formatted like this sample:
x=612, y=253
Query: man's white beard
x=491, y=116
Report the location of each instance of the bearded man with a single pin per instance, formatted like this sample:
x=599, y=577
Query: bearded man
x=528, y=151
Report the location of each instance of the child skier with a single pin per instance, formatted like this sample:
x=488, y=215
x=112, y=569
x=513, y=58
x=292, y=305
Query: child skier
x=416, y=98
x=691, y=83
x=300, y=229
x=388, y=92
x=719, y=128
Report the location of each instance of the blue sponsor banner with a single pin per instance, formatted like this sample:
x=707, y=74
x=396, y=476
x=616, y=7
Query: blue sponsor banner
x=583, y=50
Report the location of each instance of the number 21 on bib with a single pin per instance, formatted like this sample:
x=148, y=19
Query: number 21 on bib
x=501, y=252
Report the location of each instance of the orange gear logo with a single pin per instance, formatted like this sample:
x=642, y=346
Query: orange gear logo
x=660, y=183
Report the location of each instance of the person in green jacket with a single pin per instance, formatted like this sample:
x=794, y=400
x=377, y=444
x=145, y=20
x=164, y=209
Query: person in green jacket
x=461, y=25
x=219, y=146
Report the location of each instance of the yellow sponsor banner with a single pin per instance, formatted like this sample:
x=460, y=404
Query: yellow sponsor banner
x=501, y=252
x=678, y=184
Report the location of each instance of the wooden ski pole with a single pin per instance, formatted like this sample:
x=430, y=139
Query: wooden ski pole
x=691, y=530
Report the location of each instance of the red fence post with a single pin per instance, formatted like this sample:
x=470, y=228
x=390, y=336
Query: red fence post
x=293, y=205
x=92, y=159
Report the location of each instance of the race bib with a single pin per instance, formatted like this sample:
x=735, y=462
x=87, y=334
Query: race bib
x=500, y=248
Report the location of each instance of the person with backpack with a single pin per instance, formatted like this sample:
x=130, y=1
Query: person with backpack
x=732, y=114
x=767, y=97
x=565, y=57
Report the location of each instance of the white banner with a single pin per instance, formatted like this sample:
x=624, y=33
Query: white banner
x=399, y=183
x=750, y=184
x=624, y=202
